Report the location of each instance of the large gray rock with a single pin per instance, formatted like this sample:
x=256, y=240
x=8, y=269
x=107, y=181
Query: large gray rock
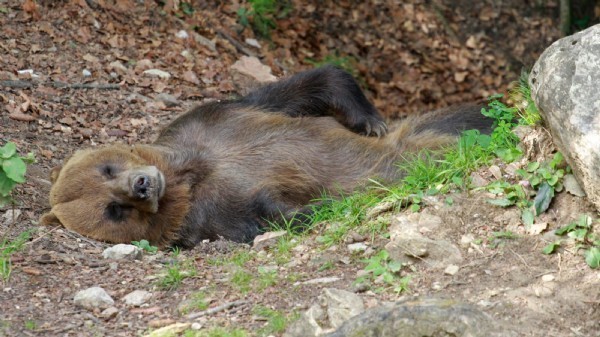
x=565, y=87
x=341, y=305
x=422, y=318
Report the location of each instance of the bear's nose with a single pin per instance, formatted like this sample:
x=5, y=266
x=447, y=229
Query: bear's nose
x=140, y=186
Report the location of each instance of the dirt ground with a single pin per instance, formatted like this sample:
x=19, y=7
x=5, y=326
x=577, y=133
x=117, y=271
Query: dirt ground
x=413, y=56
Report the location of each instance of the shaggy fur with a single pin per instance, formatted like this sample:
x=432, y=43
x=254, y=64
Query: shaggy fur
x=223, y=169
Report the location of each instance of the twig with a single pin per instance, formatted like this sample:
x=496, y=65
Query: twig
x=28, y=84
x=16, y=84
x=216, y=309
x=240, y=47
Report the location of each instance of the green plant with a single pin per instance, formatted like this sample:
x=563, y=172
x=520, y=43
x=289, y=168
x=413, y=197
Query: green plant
x=498, y=238
x=12, y=170
x=521, y=94
x=197, y=302
x=544, y=178
x=267, y=277
x=344, y=62
x=581, y=232
x=175, y=273
x=216, y=332
x=341, y=215
x=30, y=324
x=242, y=280
x=263, y=14
x=7, y=248
x=381, y=268
x=276, y=321
x=503, y=140
x=145, y=246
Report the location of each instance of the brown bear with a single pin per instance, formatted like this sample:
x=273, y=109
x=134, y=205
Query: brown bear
x=224, y=169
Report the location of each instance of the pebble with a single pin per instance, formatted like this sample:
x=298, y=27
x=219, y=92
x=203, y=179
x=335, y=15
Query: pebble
x=92, y=298
x=548, y=278
x=109, y=313
x=182, y=34
x=357, y=247
x=86, y=73
x=268, y=239
x=451, y=269
x=253, y=42
x=168, y=99
x=122, y=252
x=157, y=73
x=137, y=297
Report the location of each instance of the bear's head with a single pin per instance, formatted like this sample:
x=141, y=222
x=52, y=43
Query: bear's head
x=115, y=194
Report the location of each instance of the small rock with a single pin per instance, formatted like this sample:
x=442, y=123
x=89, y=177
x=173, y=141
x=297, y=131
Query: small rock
x=196, y=326
x=248, y=73
x=495, y=171
x=322, y=280
x=572, y=186
x=169, y=100
x=268, y=239
x=92, y=298
x=11, y=216
x=161, y=322
x=109, y=313
x=380, y=208
x=544, y=290
x=182, y=34
x=357, y=247
x=451, y=269
x=548, y=278
x=86, y=73
x=157, y=73
x=478, y=181
x=137, y=298
x=511, y=169
x=210, y=44
x=118, y=67
x=253, y=42
x=465, y=240
x=170, y=330
x=122, y=252
x=142, y=65
x=191, y=77
x=536, y=228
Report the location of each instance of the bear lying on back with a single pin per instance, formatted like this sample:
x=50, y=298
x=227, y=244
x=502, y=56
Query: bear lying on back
x=225, y=169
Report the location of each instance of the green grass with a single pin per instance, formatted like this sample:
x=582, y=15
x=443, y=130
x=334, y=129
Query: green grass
x=242, y=280
x=7, y=248
x=30, y=324
x=262, y=15
x=197, y=302
x=175, y=273
x=216, y=332
x=344, y=62
x=277, y=322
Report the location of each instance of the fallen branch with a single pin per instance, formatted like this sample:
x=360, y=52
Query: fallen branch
x=28, y=84
x=240, y=47
x=216, y=309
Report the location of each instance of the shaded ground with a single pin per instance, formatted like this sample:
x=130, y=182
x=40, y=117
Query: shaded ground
x=410, y=57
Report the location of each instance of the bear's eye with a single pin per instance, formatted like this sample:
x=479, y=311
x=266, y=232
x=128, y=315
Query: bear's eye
x=109, y=171
x=117, y=212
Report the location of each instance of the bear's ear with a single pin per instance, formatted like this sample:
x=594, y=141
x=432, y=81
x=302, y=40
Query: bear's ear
x=50, y=219
x=54, y=173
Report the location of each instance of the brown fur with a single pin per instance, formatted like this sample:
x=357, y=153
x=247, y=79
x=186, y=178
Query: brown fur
x=230, y=166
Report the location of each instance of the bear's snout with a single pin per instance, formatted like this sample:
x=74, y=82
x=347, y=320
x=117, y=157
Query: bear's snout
x=141, y=184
